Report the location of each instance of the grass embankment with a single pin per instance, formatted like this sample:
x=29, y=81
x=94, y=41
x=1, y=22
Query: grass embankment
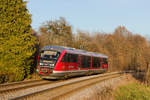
x=134, y=91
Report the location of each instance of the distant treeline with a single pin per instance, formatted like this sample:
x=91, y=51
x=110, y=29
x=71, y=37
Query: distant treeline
x=20, y=44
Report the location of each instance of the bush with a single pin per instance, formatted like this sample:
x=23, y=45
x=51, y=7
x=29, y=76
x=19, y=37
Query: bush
x=16, y=41
x=134, y=91
x=11, y=75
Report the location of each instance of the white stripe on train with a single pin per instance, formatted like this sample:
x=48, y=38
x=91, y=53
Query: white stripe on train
x=79, y=71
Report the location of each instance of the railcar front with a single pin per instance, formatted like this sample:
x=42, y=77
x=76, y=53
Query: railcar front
x=46, y=62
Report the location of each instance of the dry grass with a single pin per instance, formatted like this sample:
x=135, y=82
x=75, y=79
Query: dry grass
x=34, y=76
x=107, y=91
x=104, y=93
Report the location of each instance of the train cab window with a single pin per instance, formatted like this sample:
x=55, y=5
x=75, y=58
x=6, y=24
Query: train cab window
x=105, y=61
x=96, y=62
x=85, y=61
x=70, y=58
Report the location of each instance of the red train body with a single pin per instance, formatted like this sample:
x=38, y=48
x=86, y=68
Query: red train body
x=62, y=62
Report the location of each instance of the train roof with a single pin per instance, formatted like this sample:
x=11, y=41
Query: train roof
x=73, y=50
x=83, y=52
x=57, y=48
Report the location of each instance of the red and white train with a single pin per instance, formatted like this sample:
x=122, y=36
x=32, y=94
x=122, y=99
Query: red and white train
x=62, y=62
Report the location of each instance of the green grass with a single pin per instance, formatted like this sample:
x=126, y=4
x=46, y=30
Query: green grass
x=134, y=91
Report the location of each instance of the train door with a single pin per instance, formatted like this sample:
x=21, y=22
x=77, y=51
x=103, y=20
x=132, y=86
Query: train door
x=79, y=62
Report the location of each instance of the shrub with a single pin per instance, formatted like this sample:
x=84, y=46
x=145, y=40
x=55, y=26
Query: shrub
x=134, y=91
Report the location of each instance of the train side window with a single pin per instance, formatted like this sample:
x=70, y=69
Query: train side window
x=65, y=58
x=85, y=61
x=105, y=61
x=70, y=58
x=73, y=58
x=96, y=62
x=88, y=61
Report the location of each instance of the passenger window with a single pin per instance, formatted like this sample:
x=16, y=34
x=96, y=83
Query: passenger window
x=70, y=58
x=96, y=62
x=105, y=61
x=85, y=61
x=74, y=58
x=65, y=58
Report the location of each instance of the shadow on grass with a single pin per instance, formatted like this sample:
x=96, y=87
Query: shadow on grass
x=139, y=75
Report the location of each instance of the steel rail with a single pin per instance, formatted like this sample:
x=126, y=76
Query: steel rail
x=18, y=83
x=24, y=87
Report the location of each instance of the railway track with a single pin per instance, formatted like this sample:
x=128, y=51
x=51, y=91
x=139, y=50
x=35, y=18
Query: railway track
x=53, y=90
x=18, y=84
x=9, y=90
x=16, y=87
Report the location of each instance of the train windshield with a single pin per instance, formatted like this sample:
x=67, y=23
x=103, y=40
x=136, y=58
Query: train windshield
x=48, y=56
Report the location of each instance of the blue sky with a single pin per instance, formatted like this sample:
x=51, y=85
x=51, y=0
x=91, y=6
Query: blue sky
x=94, y=15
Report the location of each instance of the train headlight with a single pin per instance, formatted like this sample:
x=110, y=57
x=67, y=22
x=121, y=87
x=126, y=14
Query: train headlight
x=41, y=64
x=37, y=70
